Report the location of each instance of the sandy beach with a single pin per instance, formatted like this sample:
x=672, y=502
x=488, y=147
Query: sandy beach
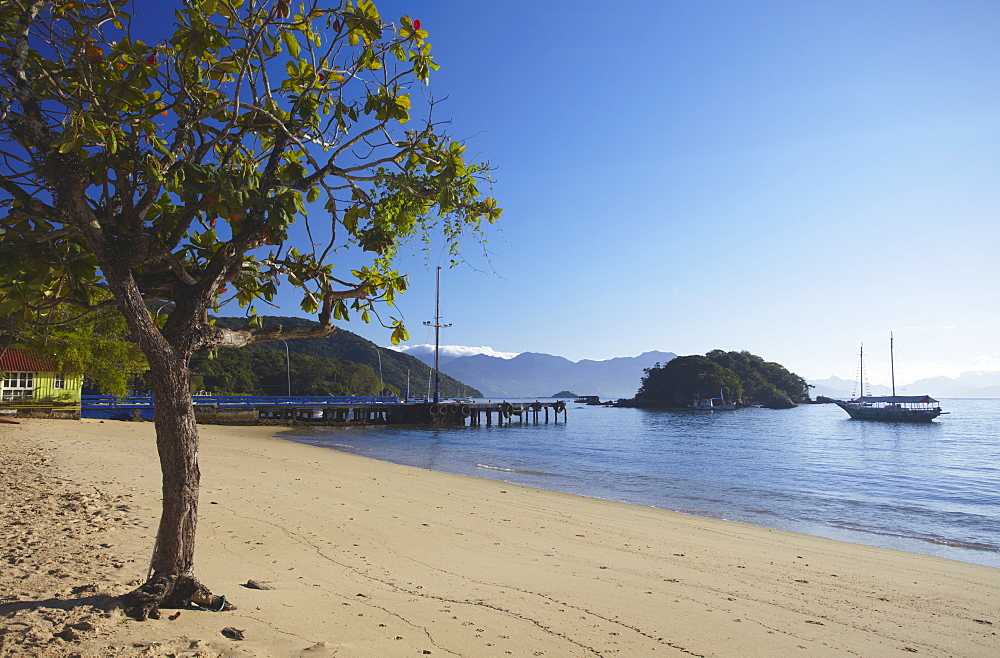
x=366, y=558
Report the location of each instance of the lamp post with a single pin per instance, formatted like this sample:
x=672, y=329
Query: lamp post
x=288, y=368
x=381, y=381
x=437, y=336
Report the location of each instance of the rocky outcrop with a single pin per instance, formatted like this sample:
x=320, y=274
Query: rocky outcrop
x=779, y=402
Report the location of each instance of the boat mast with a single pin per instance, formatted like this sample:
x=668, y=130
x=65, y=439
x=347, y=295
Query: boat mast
x=437, y=335
x=861, y=371
x=892, y=366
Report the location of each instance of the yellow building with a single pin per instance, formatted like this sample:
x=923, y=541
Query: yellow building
x=31, y=380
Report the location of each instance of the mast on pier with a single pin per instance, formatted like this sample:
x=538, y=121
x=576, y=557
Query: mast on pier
x=437, y=335
x=892, y=365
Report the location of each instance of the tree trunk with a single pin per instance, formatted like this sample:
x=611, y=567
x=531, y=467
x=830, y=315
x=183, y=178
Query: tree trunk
x=177, y=445
x=172, y=582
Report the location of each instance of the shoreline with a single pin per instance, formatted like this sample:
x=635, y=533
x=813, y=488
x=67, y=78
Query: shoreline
x=367, y=557
x=912, y=539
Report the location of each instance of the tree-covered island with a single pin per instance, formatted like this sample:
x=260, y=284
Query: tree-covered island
x=739, y=377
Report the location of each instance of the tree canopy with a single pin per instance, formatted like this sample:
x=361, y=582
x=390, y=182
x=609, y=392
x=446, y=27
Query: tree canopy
x=761, y=379
x=94, y=345
x=184, y=158
x=167, y=163
x=687, y=378
x=736, y=376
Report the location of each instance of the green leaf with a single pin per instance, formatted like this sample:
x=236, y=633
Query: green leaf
x=71, y=145
x=399, y=334
x=293, y=45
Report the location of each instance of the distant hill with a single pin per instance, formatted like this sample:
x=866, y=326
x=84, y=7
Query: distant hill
x=537, y=375
x=835, y=387
x=347, y=347
x=972, y=384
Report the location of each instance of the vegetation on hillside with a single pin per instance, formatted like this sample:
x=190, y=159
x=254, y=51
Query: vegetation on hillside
x=761, y=380
x=738, y=377
x=341, y=364
x=266, y=372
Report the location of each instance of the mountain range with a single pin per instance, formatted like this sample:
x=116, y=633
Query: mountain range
x=542, y=375
x=484, y=372
x=532, y=374
x=972, y=384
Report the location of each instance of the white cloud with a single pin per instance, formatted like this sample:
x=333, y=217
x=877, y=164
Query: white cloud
x=454, y=351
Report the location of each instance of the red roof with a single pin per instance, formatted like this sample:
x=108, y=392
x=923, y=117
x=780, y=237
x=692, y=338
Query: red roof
x=16, y=360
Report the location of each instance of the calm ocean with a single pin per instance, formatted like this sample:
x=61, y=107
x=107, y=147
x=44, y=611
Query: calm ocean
x=927, y=488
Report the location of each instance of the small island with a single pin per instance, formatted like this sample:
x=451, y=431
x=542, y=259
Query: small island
x=738, y=378
x=565, y=394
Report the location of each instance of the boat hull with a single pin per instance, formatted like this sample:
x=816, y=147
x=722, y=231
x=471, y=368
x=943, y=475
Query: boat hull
x=890, y=415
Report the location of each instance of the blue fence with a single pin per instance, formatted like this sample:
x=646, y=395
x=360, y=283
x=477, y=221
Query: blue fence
x=109, y=407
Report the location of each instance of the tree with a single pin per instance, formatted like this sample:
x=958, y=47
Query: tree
x=94, y=345
x=762, y=380
x=169, y=168
x=687, y=378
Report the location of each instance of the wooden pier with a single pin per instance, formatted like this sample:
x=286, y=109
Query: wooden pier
x=473, y=413
x=333, y=411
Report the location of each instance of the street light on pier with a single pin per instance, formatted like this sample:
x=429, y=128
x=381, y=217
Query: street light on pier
x=437, y=335
x=288, y=369
x=381, y=381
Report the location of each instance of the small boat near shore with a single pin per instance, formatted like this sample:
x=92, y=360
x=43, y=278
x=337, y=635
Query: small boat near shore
x=713, y=404
x=890, y=408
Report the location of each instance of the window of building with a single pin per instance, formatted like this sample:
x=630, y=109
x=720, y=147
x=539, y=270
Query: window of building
x=15, y=394
x=17, y=385
x=19, y=380
x=59, y=381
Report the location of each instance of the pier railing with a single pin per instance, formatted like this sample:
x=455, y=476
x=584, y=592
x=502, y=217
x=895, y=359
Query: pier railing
x=266, y=409
x=242, y=400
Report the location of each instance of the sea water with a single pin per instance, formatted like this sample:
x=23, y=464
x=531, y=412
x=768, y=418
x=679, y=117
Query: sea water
x=928, y=487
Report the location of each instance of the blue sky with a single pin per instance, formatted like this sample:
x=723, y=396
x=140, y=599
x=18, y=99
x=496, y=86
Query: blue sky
x=786, y=178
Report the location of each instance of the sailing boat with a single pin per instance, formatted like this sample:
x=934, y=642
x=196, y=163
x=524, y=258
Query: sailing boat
x=892, y=408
